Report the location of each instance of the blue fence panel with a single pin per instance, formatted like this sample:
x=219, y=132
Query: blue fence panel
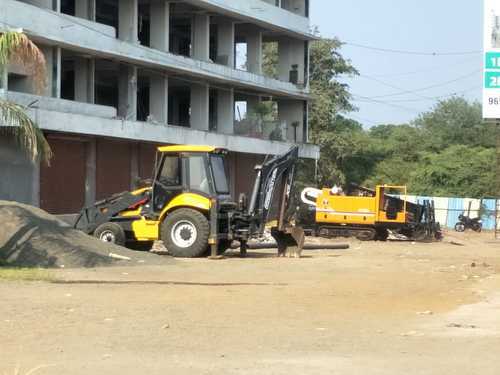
x=421, y=199
x=455, y=209
x=489, y=217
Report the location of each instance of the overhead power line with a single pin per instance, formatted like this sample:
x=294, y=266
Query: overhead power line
x=427, y=70
x=391, y=85
x=415, y=53
x=361, y=119
x=435, y=98
x=441, y=84
x=400, y=107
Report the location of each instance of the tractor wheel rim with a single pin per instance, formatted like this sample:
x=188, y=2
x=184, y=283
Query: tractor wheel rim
x=184, y=234
x=107, y=236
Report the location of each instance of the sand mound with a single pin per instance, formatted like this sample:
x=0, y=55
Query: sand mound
x=30, y=237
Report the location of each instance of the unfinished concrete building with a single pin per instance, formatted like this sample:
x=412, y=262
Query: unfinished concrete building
x=127, y=75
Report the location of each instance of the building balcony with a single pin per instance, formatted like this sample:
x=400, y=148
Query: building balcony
x=285, y=16
x=95, y=40
x=65, y=116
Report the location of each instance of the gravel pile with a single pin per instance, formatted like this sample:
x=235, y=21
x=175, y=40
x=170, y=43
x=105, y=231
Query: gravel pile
x=30, y=237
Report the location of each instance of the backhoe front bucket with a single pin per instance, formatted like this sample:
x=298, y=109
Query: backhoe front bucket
x=290, y=241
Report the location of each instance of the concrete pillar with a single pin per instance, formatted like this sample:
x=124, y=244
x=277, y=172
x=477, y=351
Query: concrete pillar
x=160, y=25
x=293, y=113
x=225, y=43
x=51, y=63
x=225, y=111
x=254, y=52
x=127, y=93
x=128, y=20
x=85, y=9
x=84, y=80
x=57, y=72
x=201, y=37
x=291, y=52
x=200, y=104
x=307, y=61
x=91, y=81
x=90, y=177
x=158, y=99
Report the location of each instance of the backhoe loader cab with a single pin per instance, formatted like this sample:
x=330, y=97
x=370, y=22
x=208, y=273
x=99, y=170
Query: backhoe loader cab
x=198, y=171
x=188, y=205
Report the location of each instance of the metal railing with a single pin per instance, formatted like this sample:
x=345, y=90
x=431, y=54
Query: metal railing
x=267, y=130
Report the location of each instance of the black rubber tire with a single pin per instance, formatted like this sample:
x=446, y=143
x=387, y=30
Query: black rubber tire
x=459, y=227
x=198, y=220
x=477, y=227
x=117, y=234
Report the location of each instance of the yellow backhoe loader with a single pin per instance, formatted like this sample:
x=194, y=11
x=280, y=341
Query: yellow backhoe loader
x=188, y=206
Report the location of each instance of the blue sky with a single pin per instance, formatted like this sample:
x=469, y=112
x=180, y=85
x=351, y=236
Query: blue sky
x=408, y=25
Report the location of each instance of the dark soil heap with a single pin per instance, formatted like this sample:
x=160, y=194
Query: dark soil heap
x=30, y=237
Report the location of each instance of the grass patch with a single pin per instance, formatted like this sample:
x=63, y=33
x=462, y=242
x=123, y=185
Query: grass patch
x=25, y=274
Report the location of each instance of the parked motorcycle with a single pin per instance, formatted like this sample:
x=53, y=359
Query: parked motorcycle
x=466, y=222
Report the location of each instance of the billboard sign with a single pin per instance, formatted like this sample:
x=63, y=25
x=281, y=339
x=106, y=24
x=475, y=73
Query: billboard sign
x=491, y=84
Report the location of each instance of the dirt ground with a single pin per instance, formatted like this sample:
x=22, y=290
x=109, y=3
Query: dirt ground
x=378, y=308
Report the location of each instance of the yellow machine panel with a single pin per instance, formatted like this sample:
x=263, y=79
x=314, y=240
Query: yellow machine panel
x=357, y=210
x=187, y=200
x=334, y=209
x=146, y=230
x=383, y=201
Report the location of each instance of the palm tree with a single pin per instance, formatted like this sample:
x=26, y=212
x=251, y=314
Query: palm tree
x=17, y=48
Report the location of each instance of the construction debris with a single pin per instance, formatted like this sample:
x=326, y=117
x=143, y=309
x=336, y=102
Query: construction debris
x=119, y=257
x=159, y=248
x=30, y=237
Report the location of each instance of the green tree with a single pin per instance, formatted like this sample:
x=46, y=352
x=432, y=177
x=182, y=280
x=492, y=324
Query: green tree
x=455, y=121
x=16, y=48
x=340, y=139
x=447, y=151
x=270, y=60
x=394, y=150
x=330, y=95
x=459, y=171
